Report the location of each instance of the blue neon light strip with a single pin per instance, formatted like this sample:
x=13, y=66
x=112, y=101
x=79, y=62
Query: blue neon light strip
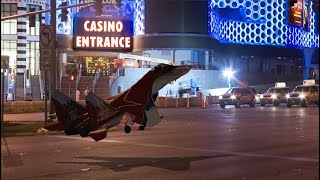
x=139, y=18
x=266, y=24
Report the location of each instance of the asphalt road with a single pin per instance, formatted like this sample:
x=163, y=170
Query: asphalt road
x=213, y=143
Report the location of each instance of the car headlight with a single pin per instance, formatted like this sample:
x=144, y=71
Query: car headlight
x=220, y=97
x=273, y=96
x=233, y=97
x=301, y=96
x=287, y=96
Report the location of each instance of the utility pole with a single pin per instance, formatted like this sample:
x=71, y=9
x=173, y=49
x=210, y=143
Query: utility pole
x=42, y=11
x=4, y=67
x=53, y=22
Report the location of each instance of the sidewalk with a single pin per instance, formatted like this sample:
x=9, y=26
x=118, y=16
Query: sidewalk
x=24, y=117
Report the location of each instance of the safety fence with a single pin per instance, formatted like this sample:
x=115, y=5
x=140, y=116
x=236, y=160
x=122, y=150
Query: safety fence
x=202, y=101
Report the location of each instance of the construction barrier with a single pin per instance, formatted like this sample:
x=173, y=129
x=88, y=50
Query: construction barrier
x=203, y=101
x=161, y=102
x=188, y=102
x=165, y=102
x=177, y=102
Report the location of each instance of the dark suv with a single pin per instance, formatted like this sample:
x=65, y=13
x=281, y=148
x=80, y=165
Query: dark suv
x=237, y=96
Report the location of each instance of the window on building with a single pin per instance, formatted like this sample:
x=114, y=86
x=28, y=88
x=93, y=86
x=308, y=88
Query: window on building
x=34, y=31
x=260, y=67
x=8, y=26
x=166, y=53
x=284, y=71
x=198, y=58
x=9, y=48
x=32, y=57
x=279, y=69
x=291, y=70
x=299, y=70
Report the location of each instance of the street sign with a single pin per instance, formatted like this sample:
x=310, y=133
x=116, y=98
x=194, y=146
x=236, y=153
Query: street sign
x=4, y=62
x=46, y=36
x=46, y=45
x=45, y=58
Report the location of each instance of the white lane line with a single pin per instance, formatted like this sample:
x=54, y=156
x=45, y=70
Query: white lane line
x=196, y=149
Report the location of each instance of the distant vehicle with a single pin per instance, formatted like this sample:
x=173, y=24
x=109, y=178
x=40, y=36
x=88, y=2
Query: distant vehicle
x=304, y=95
x=237, y=96
x=275, y=95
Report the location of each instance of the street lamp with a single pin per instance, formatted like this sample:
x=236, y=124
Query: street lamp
x=229, y=73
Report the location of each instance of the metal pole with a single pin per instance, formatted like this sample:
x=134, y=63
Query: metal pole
x=53, y=84
x=45, y=97
x=42, y=11
x=2, y=99
x=229, y=81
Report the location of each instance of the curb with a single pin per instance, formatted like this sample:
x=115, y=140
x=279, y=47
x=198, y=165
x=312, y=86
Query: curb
x=42, y=133
x=30, y=134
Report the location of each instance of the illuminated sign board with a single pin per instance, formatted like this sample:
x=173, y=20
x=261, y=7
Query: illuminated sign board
x=299, y=14
x=296, y=13
x=306, y=16
x=102, y=34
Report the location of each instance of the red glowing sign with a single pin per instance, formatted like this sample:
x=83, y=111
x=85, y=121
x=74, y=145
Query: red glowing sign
x=102, y=34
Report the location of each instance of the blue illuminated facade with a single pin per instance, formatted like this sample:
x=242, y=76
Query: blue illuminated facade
x=253, y=22
x=258, y=22
x=134, y=8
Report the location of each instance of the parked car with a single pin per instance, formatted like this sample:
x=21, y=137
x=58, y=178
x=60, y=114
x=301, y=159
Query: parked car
x=237, y=96
x=304, y=95
x=275, y=95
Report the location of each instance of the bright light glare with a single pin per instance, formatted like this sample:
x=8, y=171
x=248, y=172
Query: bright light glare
x=228, y=73
x=301, y=96
x=274, y=96
x=233, y=97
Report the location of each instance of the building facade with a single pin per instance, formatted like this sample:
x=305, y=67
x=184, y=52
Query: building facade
x=255, y=38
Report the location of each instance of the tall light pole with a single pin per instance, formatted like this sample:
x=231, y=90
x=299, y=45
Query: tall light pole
x=229, y=73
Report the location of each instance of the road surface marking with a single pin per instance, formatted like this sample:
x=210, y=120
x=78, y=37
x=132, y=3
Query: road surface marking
x=196, y=149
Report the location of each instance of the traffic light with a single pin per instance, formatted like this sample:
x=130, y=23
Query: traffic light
x=71, y=69
x=64, y=12
x=32, y=18
x=98, y=7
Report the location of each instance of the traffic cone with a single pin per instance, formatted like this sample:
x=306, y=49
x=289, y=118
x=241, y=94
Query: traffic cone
x=177, y=102
x=188, y=103
x=203, y=103
x=165, y=102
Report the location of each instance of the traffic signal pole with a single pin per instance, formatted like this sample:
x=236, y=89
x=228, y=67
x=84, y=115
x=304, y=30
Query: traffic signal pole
x=42, y=11
x=53, y=84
